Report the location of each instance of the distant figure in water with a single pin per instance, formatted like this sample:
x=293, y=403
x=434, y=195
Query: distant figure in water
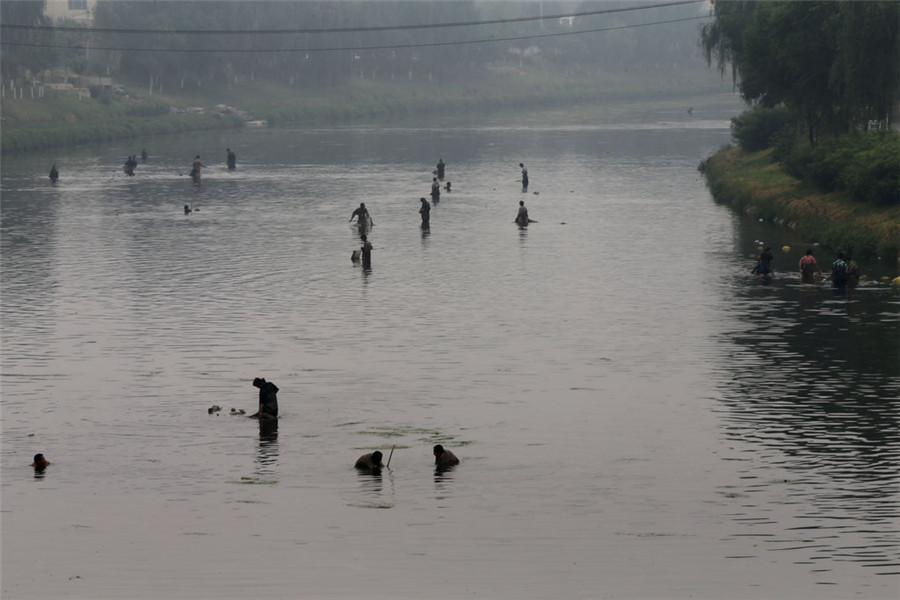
x=839, y=272
x=444, y=458
x=187, y=209
x=691, y=110
x=852, y=272
x=447, y=187
x=440, y=169
x=425, y=211
x=366, y=252
x=435, y=191
x=130, y=164
x=54, y=174
x=363, y=218
x=40, y=463
x=144, y=155
x=522, y=215
x=765, y=264
x=809, y=267
x=268, y=400
x=232, y=159
x=196, y=165
x=524, y=176
x=370, y=462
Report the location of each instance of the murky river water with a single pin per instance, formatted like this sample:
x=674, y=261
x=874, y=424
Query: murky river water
x=636, y=416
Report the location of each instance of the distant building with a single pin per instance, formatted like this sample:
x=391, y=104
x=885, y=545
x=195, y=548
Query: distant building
x=77, y=10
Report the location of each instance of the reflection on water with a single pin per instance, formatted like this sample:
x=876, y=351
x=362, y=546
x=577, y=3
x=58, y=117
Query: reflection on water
x=267, y=457
x=629, y=394
x=808, y=379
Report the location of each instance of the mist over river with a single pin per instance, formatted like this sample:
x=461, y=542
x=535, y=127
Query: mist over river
x=635, y=414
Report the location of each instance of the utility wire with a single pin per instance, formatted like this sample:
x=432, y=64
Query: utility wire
x=346, y=29
x=356, y=48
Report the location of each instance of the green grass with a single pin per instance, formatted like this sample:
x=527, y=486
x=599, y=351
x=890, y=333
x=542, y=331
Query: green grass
x=755, y=185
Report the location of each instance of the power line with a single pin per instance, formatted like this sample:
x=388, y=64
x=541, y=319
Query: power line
x=357, y=48
x=346, y=29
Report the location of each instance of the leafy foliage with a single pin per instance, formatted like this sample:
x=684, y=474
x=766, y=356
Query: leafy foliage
x=866, y=166
x=836, y=65
x=755, y=129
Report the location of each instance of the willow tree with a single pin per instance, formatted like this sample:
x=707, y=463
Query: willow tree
x=834, y=64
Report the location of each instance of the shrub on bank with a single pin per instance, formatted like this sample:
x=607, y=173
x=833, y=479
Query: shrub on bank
x=757, y=128
x=866, y=166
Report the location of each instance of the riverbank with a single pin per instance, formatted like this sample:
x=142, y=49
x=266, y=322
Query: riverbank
x=754, y=185
x=58, y=118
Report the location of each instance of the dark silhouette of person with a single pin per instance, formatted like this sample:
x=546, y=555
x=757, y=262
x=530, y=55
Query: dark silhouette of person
x=444, y=458
x=435, y=190
x=370, y=462
x=40, y=463
x=54, y=174
x=366, y=252
x=425, y=211
x=268, y=400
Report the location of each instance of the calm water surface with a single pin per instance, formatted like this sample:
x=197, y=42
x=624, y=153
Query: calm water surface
x=636, y=416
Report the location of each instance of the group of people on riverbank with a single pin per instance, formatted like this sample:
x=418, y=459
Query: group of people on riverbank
x=844, y=270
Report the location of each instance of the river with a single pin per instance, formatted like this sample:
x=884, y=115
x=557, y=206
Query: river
x=635, y=414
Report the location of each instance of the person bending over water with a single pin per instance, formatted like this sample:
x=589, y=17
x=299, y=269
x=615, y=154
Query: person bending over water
x=363, y=218
x=40, y=463
x=809, y=267
x=268, y=400
x=765, y=263
x=522, y=215
x=444, y=458
x=370, y=462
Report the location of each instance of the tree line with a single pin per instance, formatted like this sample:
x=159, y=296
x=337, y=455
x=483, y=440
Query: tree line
x=616, y=40
x=834, y=65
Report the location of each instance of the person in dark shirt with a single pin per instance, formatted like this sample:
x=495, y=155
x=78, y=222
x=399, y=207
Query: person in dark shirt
x=366, y=252
x=425, y=211
x=444, y=458
x=435, y=191
x=268, y=400
x=40, y=463
x=370, y=462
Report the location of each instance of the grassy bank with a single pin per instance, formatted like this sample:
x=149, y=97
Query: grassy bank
x=754, y=185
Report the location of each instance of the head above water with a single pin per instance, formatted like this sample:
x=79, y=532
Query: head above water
x=438, y=450
x=841, y=255
x=521, y=165
x=259, y=382
x=362, y=204
x=809, y=252
x=39, y=461
x=376, y=457
x=521, y=203
x=363, y=238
